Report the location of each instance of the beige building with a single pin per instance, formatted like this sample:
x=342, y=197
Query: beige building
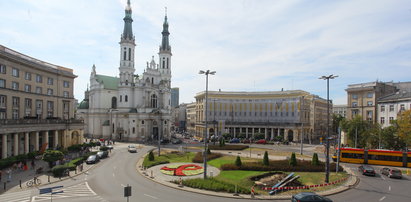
x=191, y=117
x=340, y=110
x=271, y=114
x=36, y=105
x=363, y=97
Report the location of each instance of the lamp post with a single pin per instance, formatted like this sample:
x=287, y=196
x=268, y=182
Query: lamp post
x=206, y=73
x=327, y=156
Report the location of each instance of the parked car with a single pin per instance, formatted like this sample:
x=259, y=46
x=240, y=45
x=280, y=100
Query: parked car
x=164, y=141
x=102, y=154
x=176, y=141
x=235, y=140
x=132, y=149
x=309, y=196
x=392, y=172
x=262, y=141
x=366, y=170
x=92, y=159
x=245, y=141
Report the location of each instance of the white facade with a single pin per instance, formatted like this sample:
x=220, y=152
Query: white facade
x=130, y=107
x=390, y=106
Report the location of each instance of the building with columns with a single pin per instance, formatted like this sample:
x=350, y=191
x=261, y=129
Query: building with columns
x=130, y=107
x=36, y=105
x=293, y=115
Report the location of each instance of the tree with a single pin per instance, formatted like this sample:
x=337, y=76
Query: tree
x=51, y=156
x=337, y=119
x=404, y=126
x=151, y=156
x=265, y=159
x=390, y=138
x=238, y=161
x=359, y=126
x=315, y=161
x=293, y=160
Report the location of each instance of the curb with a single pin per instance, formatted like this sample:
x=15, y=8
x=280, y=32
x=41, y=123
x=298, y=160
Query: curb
x=348, y=185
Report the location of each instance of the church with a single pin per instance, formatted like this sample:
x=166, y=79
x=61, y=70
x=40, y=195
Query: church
x=130, y=107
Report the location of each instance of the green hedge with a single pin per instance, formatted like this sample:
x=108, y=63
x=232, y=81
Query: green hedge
x=228, y=147
x=75, y=148
x=198, y=158
x=281, y=165
x=72, y=165
x=7, y=162
x=103, y=148
x=213, y=185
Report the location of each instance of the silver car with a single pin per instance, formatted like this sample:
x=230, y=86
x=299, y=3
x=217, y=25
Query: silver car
x=392, y=172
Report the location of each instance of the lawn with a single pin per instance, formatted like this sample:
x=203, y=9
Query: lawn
x=169, y=158
x=275, y=153
x=227, y=160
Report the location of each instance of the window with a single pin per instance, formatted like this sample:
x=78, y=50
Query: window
x=354, y=104
x=66, y=110
x=27, y=107
x=391, y=108
x=383, y=108
x=39, y=78
x=129, y=54
x=39, y=108
x=114, y=102
x=49, y=91
x=3, y=100
x=39, y=90
x=15, y=85
x=2, y=69
x=142, y=122
x=50, y=81
x=126, y=98
x=153, y=101
x=402, y=107
x=134, y=130
x=370, y=95
x=382, y=120
x=66, y=84
x=121, y=98
x=16, y=102
x=2, y=83
x=15, y=114
x=50, y=108
x=369, y=103
x=354, y=96
x=27, y=88
x=27, y=76
x=15, y=72
x=391, y=119
x=65, y=94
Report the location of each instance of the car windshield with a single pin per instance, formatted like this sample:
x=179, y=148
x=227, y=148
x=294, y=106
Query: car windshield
x=396, y=171
x=99, y=153
x=91, y=157
x=131, y=146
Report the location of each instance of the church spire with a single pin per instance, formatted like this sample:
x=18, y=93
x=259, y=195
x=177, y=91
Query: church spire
x=128, y=30
x=165, y=46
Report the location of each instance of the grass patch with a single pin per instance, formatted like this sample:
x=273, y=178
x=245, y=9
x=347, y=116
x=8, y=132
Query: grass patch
x=169, y=158
x=275, y=153
x=227, y=160
x=228, y=147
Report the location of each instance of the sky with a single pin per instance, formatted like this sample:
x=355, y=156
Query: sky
x=253, y=45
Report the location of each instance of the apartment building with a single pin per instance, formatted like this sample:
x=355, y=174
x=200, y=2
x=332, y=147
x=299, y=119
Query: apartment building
x=340, y=110
x=292, y=114
x=36, y=105
x=390, y=106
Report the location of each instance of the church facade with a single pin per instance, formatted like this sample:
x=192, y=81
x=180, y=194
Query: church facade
x=130, y=107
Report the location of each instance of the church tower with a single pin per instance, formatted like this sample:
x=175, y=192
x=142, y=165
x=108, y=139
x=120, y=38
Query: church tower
x=165, y=52
x=127, y=46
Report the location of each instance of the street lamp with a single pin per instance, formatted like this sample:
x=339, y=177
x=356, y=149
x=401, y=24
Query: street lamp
x=327, y=157
x=206, y=73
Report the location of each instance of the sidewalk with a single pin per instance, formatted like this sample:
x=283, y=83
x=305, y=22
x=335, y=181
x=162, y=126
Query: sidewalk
x=45, y=177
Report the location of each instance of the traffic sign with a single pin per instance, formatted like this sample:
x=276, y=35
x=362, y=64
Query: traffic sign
x=49, y=189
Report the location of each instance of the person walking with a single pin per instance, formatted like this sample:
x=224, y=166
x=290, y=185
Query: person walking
x=33, y=165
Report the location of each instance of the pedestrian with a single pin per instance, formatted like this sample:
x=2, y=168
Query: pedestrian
x=33, y=165
x=25, y=167
x=8, y=172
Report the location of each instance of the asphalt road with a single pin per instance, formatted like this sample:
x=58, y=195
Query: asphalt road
x=105, y=183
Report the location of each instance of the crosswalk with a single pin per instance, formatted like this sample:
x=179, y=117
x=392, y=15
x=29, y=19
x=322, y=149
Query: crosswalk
x=21, y=196
x=79, y=190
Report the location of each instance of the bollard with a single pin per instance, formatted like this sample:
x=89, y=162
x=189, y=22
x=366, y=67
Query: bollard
x=5, y=185
x=235, y=191
x=48, y=178
x=20, y=184
x=75, y=171
x=152, y=176
x=181, y=183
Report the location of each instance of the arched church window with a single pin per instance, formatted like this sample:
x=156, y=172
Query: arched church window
x=164, y=65
x=167, y=63
x=152, y=80
x=121, y=98
x=142, y=122
x=125, y=55
x=126, y=98
x=126, y=82
x=129, y=54
x=114, y=102
x=134, y=130
x=153, y=101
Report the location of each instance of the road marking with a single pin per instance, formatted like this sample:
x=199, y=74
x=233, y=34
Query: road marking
x=382, y=198
x=382, y=177
x=389, y=188
x=150, y=196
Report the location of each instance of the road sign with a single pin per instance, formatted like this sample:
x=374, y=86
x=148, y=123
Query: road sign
x=127, y=191
x=49, y=189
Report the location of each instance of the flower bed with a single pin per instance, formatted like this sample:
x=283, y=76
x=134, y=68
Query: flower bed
x=182, y=170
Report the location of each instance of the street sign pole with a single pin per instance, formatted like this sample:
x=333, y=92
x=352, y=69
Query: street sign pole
x=127, y=191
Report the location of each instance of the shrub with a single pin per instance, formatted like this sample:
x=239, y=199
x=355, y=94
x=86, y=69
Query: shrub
x=315, y=161
x=265, y=159
x=198, y=158
x=75, y=148
x=151, y=156
x=51, y=156
x=32, y=155
x=293, y=160
x=222, y=142
x=238, y=161
x=77, y=161
x=214, y=185
x=103, y=148
x=280, y=165
x=58, y=171
x=149, y=164
x=228, y=147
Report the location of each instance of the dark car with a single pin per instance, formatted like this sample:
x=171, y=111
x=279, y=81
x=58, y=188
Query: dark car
x=235, y=140
x=366, y=170
x=309, y=196
x=176, y=141
x=164, y=141
x=92, y=159
x=102, y=154
x=246, y=141
x=392, y=172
